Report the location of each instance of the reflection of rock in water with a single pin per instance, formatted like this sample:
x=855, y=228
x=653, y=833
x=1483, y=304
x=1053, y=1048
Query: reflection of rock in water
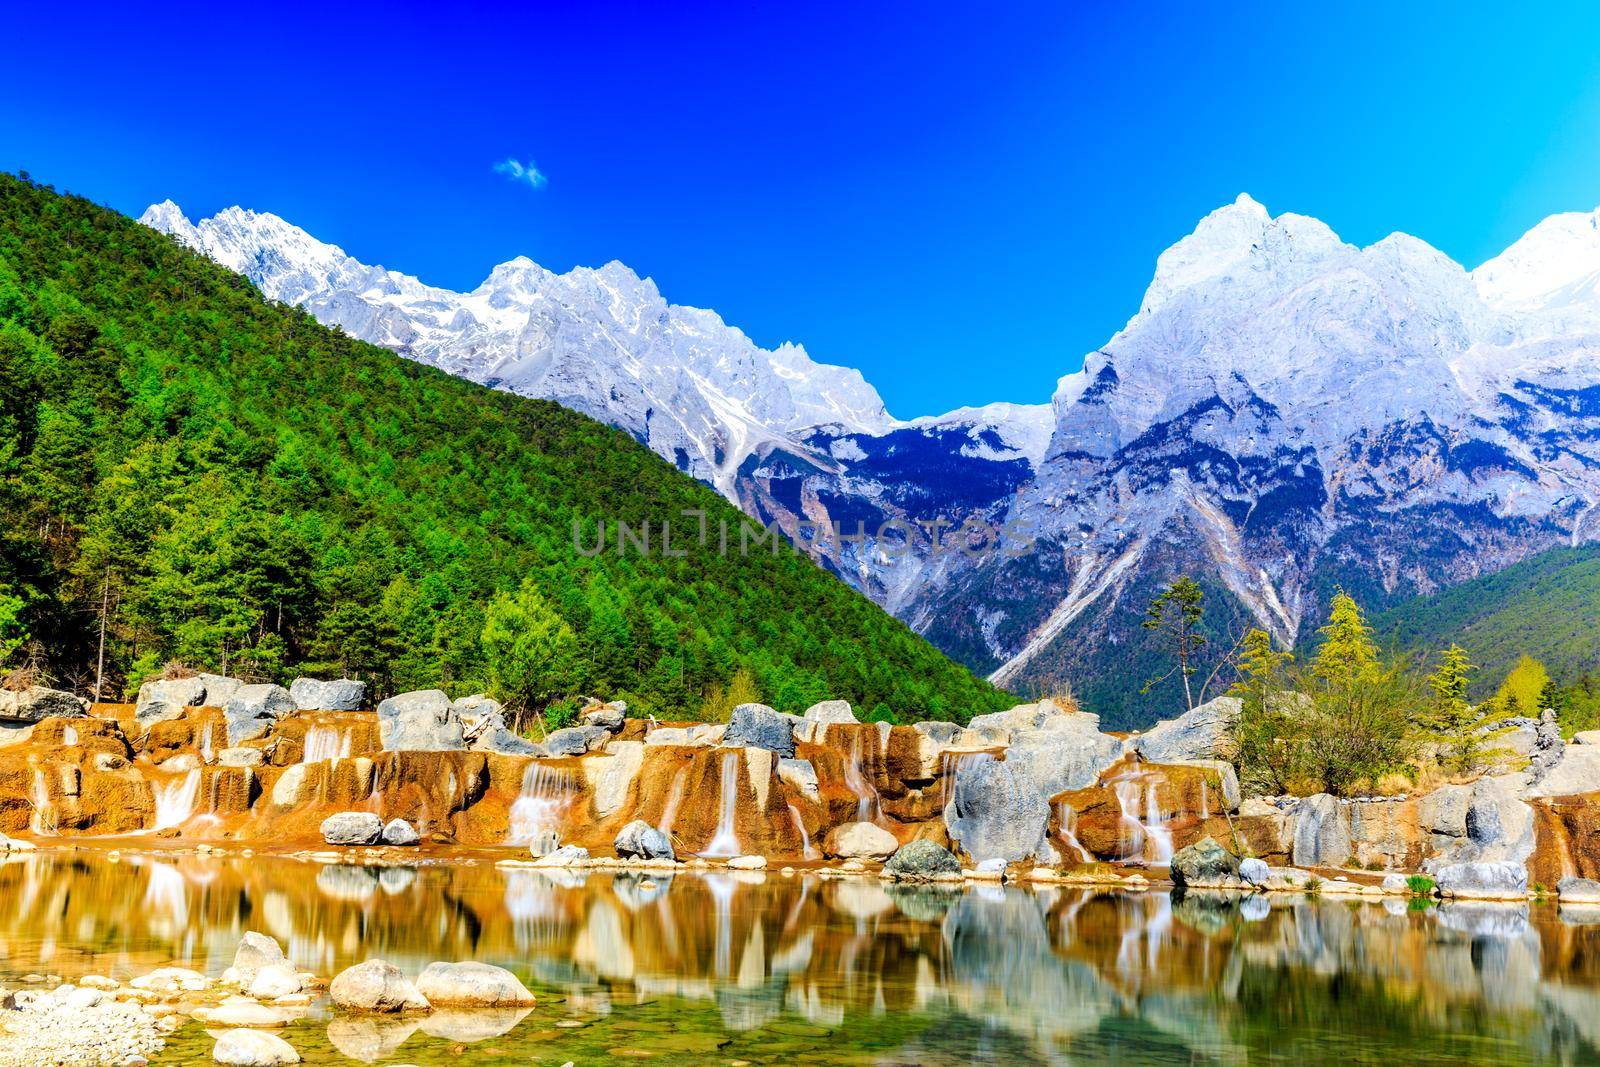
x=344, y=882
x=396, y=880
x=924, y=903
x=1211, y=914
x=477, y=1024
x=369, y=1038
x=859, y=899
x=1256, y=907
x=998, y=964
x=631, y=888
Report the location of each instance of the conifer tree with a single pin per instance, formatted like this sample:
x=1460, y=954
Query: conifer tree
x=529, y=647
x=1348, y=653
x=1462, y=732
x=1174, y=617
x=1262, y=735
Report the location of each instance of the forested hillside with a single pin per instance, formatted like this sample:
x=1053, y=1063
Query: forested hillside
x=198, y=475
x=1547, y=607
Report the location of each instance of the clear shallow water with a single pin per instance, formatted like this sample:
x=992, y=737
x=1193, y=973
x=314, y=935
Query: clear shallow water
x=720, y=968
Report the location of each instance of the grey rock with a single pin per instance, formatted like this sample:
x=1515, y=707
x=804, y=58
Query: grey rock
x=1443, y=812
x=1201, y=734
x=859, y=840
x=1321, y=833
x=921, y=861
x=252, y=1048
x=941, y=733
x=802, y=776
x=400, y=832
x=1578, y=891
x=1395, y=883
x=352, y=828
x=1576, y=771
x=315, y=694
x=219, y=688
x=253, y=709
x=240, y=757
x=1205, y=863
x=376, y=986
x=639, y=840
x=565, y=856
x=608, y=717
x=421, y=721
x=255, y=951
x=576, y=740
x=1001, y=807
x=1498, y=880
x=483, y=727
x=992, y=866
x=163, y=699
x=478, y=985
x=758, y=726
x=1254, y=871
x=37, y=703
x=830, y=711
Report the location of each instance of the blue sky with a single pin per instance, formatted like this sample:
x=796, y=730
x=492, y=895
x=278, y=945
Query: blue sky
x=960, y=201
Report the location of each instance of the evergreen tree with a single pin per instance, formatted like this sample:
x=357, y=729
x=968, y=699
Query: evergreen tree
x=1348, y=654
x=1462, y=732
x=1263, y=736
x=529, y=648
x=1174, y=617
x=1524, y=686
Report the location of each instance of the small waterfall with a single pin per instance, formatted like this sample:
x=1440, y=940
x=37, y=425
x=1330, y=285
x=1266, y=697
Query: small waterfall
x=175, y=800
x=207, y=752
x=1068, y=818
x=1149, y=838
x=325, y=743
x=806, y=851
x=547, y=793
x=869, y=807
x=43, y=821
x=69, y=736
x=1205, y=798
x=1160, y=838
x=726, y=840
x=669, y=811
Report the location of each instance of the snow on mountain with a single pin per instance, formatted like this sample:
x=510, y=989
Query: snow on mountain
x=603, y=341
x=1285, y=413
x=1286, y=410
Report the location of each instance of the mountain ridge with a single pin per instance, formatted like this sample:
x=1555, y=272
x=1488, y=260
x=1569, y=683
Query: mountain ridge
x=1285, y=413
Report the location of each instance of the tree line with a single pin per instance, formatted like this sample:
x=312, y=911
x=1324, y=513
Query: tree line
x=1352, y=717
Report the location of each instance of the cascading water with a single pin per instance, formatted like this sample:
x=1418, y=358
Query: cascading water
x=806, y=851
x=1068, y=819
x=869, y=807
x=1205, y=798
x=726, y=840
x=69, y=737
x=1149, y=839
x=547, y=793
x=175, y=800
x=43, y=819
x=325, y=743
x=669, y=811
x=206, y=749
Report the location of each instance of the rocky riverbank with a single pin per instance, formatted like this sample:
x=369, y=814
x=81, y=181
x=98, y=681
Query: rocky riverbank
x=1037, y=792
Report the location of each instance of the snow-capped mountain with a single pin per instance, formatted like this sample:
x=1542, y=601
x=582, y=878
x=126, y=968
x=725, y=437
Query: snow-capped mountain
x=798, y=443
x=1285, y=413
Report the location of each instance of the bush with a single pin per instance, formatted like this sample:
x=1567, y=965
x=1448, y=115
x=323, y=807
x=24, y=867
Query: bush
x=1421, y=885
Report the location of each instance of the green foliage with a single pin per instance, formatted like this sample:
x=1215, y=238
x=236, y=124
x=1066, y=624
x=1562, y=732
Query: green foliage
x=560, y=714
x=1524, y=687
x=529, y=648
x=1347, y=655
x=1174, y=616
x=1462, y=733
x=1263, y=733
x=720, y=700
x=13, y=634
x=1542, y=607
x=207, y=476
x=1338, y=724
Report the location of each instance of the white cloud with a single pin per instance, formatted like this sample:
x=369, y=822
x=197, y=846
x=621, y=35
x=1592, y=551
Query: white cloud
x=518, y=171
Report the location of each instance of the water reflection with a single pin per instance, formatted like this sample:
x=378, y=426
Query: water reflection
x=798, y=970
